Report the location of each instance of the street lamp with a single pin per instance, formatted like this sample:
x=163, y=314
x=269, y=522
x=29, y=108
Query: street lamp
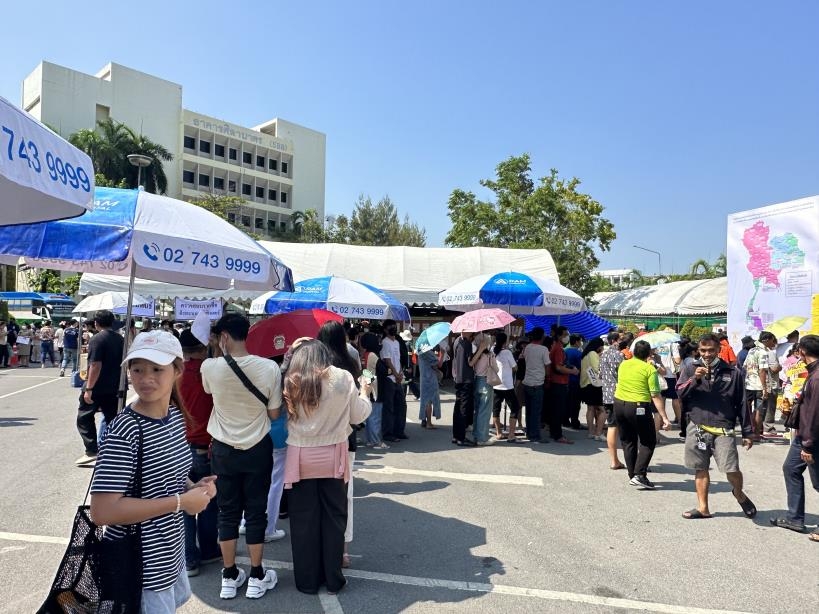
x=140, y=161
x=659, y=258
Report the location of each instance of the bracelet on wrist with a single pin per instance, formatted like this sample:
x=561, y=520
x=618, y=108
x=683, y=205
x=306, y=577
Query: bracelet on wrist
x=178, y=503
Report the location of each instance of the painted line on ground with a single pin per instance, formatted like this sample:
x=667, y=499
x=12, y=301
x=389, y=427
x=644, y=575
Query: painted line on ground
x=11, y=394
x=456, y=585
x=28, y=376
x=330, y=603
x=520, y=480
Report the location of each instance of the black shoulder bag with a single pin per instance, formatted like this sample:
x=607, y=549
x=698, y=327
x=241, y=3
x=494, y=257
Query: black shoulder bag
x=246, y=380
x=792, y=419
x=97, y=575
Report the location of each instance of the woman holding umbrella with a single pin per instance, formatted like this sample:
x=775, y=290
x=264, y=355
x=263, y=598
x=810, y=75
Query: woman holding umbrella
x=429, y=364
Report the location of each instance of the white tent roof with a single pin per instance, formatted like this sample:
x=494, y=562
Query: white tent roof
x=411, y=274
x=696, y=297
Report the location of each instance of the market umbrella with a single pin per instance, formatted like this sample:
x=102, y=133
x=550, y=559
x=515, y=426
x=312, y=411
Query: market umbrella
x=273, y=336
x=657, y=338
x=42, y=176
x=112, y=301
x=514, y=292
x=585, y=323
x=784, y=326
x=480, y=320
x=349, y=299
x=432, y=336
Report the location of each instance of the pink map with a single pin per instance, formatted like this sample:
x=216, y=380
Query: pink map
x=755, y=240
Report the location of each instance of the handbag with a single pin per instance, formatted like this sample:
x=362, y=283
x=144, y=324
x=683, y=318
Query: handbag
x=246, y=380
x=492, y=377
x=99, y=576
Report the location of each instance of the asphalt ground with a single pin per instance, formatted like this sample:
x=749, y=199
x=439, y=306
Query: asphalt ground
x=439, y=528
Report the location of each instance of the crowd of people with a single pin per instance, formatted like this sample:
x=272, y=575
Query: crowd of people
x=228, y=443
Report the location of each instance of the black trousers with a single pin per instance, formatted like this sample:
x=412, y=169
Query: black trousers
x=243, y=481
x=4, y=355
x=637, y=434
x=387, y=392
x=556, y=397
x=318, y=518
x=399, y=411
x=86, y=426
x=572, y=417
x=463, y=411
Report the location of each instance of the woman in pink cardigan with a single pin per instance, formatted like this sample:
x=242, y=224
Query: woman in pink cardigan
x=322, y=402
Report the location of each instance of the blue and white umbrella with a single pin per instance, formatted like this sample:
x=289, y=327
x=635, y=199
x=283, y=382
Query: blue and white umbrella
x=132, y=232
x=351, y=299
x=516, y=293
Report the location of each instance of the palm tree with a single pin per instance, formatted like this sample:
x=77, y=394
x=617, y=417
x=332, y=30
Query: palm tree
x=297, y=219
x=153, y=176
x=701, y=268
x=720, y=267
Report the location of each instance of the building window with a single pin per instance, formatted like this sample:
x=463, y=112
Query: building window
x=190, y=142
x=259, y=223
x=232, y=218
x=284, y=167
x=283, y=226
x=259, y=192
x=260, y=161
x=271, y=226
x=219, y=150
x=204, y=146
x=284, y=197
x=233, y=154
x=247, y=158
x=273, y=164
x=231, y=186
x=187, y=176
x=271, y=195
x=245, y=220
x=246, y=189
x=204, y=180
x=219, y=183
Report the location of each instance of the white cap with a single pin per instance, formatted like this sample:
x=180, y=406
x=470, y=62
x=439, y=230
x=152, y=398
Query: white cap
x=158, y=346
x=406, y=334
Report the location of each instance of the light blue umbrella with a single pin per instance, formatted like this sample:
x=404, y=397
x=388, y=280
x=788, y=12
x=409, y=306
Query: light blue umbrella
x=432, y=336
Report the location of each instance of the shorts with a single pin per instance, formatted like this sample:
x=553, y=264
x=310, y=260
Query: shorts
x=722, y=447
x=671, y=391
x=169, y=600
x=592, y=395
x=511, y=402
x=610, y=419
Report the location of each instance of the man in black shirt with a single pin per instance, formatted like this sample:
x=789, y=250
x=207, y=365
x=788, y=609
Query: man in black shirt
x=101, y=385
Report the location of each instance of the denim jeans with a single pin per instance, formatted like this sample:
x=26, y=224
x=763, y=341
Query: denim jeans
x=793, y=469
x=169, y=600
x=47, y=349
x=373, y=425
x=274, y=496
x=200, y=530
x=483, y=409
x=534, y=403
x=70, y=355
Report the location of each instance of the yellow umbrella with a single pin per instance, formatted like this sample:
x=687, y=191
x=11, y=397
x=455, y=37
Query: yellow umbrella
x=784, y=326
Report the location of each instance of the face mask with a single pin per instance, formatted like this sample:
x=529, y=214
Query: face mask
x=392, y=332
x=564, y=339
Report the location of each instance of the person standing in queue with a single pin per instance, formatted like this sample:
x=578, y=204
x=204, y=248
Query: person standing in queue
x=390, y=389
x=464, y=375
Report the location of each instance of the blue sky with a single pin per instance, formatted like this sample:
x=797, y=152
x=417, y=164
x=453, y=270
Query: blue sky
x=672, y=114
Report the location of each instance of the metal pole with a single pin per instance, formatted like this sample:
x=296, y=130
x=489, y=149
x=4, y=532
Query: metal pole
x=123, y=377
x=659, y=258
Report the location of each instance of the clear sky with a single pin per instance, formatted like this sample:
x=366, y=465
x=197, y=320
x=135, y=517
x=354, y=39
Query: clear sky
x=673, y=114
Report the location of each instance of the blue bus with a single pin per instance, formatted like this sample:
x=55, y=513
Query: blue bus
x=37, y=306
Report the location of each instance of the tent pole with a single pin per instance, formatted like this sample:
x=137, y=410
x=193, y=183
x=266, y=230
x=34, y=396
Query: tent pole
x=123, y=377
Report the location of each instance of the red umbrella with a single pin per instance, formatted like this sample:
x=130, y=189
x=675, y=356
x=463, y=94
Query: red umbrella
x=273, y=336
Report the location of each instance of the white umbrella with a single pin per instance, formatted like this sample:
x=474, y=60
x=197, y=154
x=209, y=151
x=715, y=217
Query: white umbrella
x=112, y=301
x=42, y=176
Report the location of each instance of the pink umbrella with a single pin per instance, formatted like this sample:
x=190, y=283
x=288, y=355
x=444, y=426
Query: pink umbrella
x=480, y=320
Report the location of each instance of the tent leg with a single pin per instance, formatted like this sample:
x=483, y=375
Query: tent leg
x=123, y=378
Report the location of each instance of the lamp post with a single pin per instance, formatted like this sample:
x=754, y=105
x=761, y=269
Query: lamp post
x=659, y=258
x=140, y=161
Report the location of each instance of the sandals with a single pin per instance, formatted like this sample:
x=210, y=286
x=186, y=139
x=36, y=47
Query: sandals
x=814, y=537
x=748, y=507
x=564, y=440
x=345, y=561
x=617, y=467
x=514, y=440
x=695, y=514
x=784, y=523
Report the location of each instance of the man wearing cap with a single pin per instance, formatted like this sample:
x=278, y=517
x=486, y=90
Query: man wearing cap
x=99, y=393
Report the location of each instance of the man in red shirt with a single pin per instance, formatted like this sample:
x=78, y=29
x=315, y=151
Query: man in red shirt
x=200, y=531
x=558, y=392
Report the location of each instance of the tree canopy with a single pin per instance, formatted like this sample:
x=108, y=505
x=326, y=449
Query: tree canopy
x=551, y=214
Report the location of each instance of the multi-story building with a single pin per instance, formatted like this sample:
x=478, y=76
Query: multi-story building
x=276, y=168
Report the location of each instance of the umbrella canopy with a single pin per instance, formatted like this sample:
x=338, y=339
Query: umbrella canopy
x=113, y=301
x=516, y=293
x=273, y=336
x=42, y=176
x=657, y=338
x=785, y=326
x=349, y=299
x=432, y=336
x=585, y=323
x=480, y=320
x=155, y=237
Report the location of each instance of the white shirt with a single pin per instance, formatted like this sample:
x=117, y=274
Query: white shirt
x=668, y=354
x=537, y=359
x=390, y=349
x=506, y=364
x=239, y=419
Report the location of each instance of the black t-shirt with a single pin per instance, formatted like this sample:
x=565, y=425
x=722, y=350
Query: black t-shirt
x=106, y=348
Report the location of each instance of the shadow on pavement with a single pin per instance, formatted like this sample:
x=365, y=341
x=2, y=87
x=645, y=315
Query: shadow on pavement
x=19, y=421
x=364, y=487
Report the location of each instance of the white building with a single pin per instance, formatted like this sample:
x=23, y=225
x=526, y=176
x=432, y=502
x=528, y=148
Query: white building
x=619, y=278
x=276, y=168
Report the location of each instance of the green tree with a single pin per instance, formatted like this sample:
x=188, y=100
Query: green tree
x=109, y=146
x=552, y=214
x=378, y=224
x=312, y=228
x=44, y=280
x=225, y=207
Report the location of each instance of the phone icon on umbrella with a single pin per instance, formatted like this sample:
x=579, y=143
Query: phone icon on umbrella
x=152, y=251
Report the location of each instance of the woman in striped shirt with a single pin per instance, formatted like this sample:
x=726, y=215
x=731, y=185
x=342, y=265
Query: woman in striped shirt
x=155, y=425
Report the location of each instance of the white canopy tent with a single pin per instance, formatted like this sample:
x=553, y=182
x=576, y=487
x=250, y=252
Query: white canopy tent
x=695, y=297
x=413, y=275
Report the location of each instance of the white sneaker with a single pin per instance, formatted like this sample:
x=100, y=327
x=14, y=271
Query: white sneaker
x=257, y=588
x=86, y=459
x=229, y=586
x=274, y=536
